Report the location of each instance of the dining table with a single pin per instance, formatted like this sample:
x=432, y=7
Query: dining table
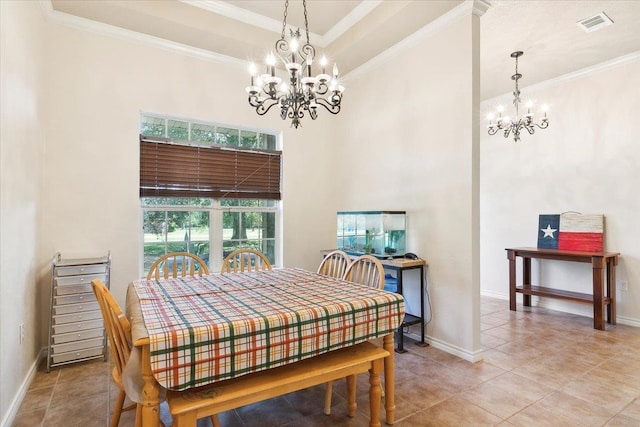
x=198, y=330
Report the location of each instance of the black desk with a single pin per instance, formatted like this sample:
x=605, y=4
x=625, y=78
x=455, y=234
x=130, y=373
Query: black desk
x=399, y=265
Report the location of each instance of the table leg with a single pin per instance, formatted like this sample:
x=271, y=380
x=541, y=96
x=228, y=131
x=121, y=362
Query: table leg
x=526, y=280
x=150, y=393
x=511, y=255
x=611, y=289
x=598, y=291
x=374, y=393
x=389, y=380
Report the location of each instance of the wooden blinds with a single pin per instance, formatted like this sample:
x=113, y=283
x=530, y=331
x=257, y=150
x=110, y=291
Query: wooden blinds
x=175, y=170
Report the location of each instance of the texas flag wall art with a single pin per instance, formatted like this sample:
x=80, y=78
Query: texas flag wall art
x=572, y=232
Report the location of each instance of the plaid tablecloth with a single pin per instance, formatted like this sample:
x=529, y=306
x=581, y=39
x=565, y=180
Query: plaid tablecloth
x=220, y=326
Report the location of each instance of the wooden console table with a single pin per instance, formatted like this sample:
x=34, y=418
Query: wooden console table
x=599, y=298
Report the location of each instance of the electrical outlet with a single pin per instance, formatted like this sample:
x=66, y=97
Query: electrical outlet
x=21, y=333
x=624, y=285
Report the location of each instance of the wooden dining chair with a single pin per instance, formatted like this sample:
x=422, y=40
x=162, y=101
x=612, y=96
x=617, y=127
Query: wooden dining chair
x=119, y=334
x=334, y=264
x=245, y=259
x=365, y=270
x=174, y=263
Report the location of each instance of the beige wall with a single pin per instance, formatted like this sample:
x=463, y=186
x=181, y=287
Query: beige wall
x=21, y=146
x=586, y=161
x=410, y=143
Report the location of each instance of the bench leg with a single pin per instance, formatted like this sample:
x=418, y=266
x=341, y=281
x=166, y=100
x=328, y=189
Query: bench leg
x=187, y=419
x=351, y=395
x=375, y=393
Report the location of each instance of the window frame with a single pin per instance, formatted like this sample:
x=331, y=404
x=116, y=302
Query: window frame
x=216, y=209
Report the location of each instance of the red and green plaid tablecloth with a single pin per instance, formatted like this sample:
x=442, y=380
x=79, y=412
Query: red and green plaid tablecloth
x=220, y=326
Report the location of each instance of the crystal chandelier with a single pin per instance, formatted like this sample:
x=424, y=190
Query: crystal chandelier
x=508, y=126
x=303, y=91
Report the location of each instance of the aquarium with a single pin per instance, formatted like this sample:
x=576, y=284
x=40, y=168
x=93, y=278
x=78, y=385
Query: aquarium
x=379, y=233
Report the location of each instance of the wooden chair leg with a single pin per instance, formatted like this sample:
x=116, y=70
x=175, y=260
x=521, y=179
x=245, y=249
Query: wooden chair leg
x=375, y=393
x=139, y=415
x=351, y=395
x=327, y=398
x=115, y=420
x=215, y=421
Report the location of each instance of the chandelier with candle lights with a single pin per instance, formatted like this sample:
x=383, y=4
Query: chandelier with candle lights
x=300, y=91
x=508, y=126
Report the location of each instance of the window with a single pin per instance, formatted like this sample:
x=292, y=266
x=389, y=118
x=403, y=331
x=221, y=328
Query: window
x=207, y=189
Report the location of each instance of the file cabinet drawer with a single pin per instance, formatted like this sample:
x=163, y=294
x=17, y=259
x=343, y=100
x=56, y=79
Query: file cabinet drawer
x=78, y=336
x=79, y=326
x=73, y=289
x=76, y=345
x=75, y=298
x=78, y=270
x=76, y=308
x=78, y=280
x=76, y=355
x=76, y=317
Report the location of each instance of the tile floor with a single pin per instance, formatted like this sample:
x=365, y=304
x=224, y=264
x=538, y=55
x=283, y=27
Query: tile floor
x=540, y=368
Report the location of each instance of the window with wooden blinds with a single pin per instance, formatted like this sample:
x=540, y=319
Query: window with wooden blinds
x=169, y=169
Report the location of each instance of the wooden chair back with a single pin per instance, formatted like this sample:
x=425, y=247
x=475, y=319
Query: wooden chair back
x=174, y=263
x=245, y=259
x=366, y=270
x=334, y=264
x=116, y=324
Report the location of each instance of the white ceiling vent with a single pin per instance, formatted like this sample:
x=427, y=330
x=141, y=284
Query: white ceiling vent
x=595, y=22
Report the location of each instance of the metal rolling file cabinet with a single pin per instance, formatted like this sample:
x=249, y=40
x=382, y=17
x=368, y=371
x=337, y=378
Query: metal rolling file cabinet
x=76, y=330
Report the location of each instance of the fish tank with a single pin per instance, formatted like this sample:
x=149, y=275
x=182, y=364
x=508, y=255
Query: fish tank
x=378, y=233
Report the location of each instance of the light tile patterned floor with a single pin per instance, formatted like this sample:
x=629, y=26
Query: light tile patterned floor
x=540, y=368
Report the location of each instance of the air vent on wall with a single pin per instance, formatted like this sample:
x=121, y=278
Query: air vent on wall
x=594, y=23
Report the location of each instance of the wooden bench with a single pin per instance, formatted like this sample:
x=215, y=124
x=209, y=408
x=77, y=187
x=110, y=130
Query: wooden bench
x=189, y=405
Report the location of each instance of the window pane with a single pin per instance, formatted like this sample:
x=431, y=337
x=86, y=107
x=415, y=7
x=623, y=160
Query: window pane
x=178, y=129
x=228, y=136
x=269, y=141
x=269, y=249
x=203, y=133
x=231, y=226
x=249, y=203
x=199, y=235
x=250, y=139
x=177, y=231
x=175, y=201
x=152, y=126
x=154, y=228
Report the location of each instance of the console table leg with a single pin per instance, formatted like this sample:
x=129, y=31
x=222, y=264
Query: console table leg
x=611, y=290
x=512, y=280
x=598, y=291
x=526, y=280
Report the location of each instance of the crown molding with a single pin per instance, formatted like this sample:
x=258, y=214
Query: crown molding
x=592, y=69
x=480, y=7
x=239, y=14
x=89, y=25
x=464, y=9
x=352, y=18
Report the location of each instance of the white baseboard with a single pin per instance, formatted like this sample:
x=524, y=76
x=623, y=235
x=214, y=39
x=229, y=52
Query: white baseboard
x=473, y=357
x=10, y=416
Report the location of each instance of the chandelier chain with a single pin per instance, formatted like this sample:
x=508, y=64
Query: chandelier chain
x=306, y=19
x=284, y=19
